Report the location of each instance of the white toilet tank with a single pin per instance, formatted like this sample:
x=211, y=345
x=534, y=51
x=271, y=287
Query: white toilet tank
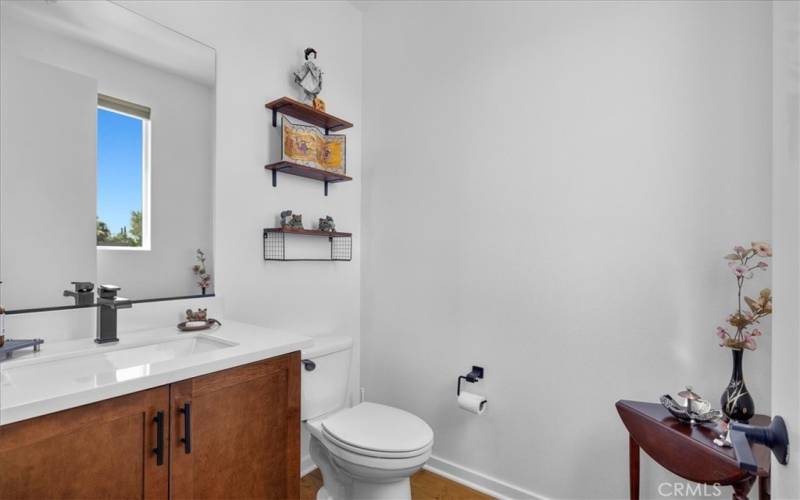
x=324, y=389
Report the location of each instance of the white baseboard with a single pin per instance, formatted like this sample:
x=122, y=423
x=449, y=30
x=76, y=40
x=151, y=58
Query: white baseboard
x=306, y=465
x=479, y=481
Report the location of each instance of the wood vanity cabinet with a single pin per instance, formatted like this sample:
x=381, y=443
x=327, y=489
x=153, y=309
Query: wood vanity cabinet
x=228, y=434
x=100, y=450
x=244, y=437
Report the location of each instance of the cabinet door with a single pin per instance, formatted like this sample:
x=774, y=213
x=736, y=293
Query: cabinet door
x=243, y=428
x=101, y=450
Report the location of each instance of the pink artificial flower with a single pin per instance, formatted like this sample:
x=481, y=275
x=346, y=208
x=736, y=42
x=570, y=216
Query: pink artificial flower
x=756, y=333
x=739, y=250
x=762, y=248
x=723, y=335
x=749, y=342
x=740, y=271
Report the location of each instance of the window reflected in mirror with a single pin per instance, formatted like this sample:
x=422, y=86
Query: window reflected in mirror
x=123, y=168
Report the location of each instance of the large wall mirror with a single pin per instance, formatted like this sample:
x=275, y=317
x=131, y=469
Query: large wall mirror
x=106, y=154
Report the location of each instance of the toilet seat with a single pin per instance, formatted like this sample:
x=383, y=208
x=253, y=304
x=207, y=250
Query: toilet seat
x=354, y=434
x=367, y=453
x=376, y=430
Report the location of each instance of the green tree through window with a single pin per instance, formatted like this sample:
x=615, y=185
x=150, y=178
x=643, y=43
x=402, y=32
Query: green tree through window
x=124, y=237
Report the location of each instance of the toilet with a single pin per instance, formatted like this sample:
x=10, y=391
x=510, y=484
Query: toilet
x=365, y=452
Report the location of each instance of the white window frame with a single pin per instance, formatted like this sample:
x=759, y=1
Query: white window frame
x=146, y=241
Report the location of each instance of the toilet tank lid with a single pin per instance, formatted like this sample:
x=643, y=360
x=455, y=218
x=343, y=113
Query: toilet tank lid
x=327, y=345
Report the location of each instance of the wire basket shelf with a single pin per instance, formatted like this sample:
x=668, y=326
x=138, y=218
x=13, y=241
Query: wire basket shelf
x=341, y=244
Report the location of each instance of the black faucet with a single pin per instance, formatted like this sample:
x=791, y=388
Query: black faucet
x=107, y=305
x=83, y=293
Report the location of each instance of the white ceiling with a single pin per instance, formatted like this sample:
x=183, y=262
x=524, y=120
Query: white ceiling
x=119, y=30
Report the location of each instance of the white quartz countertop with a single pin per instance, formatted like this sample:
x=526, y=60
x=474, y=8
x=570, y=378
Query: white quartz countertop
x=77, y=372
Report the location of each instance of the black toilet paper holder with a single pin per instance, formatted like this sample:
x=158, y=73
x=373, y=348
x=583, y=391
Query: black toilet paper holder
x=471, y=377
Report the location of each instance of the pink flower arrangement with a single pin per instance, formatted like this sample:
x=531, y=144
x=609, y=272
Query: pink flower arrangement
x=742, y=264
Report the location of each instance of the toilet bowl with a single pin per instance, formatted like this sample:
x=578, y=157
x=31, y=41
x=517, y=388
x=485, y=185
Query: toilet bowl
x=365, y=452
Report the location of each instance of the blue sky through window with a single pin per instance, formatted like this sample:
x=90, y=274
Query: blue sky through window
x=119, y=168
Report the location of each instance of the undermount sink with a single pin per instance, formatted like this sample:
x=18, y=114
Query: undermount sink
x=109, y=365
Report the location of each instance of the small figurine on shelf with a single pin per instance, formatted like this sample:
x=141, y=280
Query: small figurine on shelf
x=286, y=217
x=203, y=278
x=296, y=222
x=309, y=78
x=327, y=224
x=291, y=220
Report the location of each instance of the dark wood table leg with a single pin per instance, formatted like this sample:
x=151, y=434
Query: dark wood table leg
x=634, y=467
x=742, y=488
x=763, y=488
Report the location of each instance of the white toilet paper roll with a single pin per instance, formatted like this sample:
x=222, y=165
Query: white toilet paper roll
x=473, y=403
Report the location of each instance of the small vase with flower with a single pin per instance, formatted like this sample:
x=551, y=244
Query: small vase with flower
x=737, y=403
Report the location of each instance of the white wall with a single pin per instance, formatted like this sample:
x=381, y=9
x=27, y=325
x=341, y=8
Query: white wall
x=47, y=198
x=182, y=147
x=549, y=189
x=786, y=227
x=258, y=44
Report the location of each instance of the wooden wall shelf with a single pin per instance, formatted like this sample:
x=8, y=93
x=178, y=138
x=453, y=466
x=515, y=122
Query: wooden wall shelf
x=308, y=232
x=308, y=114
x=341, y=244
x=288, y=167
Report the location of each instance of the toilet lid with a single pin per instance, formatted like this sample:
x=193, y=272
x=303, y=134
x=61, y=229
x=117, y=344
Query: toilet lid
x=376, y=427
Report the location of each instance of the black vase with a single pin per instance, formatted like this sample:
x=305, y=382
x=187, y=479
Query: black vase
x=737, y=404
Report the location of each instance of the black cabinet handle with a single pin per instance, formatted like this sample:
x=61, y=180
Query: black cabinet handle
x=187, y=427
x=159, y=449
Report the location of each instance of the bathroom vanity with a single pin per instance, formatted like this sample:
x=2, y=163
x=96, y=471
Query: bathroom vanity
x=159, y=415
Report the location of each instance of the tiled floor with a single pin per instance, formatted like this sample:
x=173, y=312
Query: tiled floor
x=424, y=486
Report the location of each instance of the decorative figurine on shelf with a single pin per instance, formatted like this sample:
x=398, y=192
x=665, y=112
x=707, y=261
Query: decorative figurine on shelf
x=286, y=216
x=296, y=222
x=199, y=315
x=309, y=78
x=290, y=220
x=327, y=224
x=737, y=404
x=203, y=278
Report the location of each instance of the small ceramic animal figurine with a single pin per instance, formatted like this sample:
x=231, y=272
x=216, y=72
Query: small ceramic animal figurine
x=290, y=220
x=309, y=78
x=327, y=224
x=296, y=222
x=199, y=315
x=286, y=216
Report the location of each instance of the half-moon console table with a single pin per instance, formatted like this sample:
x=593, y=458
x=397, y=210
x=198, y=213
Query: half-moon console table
x=689, y=450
